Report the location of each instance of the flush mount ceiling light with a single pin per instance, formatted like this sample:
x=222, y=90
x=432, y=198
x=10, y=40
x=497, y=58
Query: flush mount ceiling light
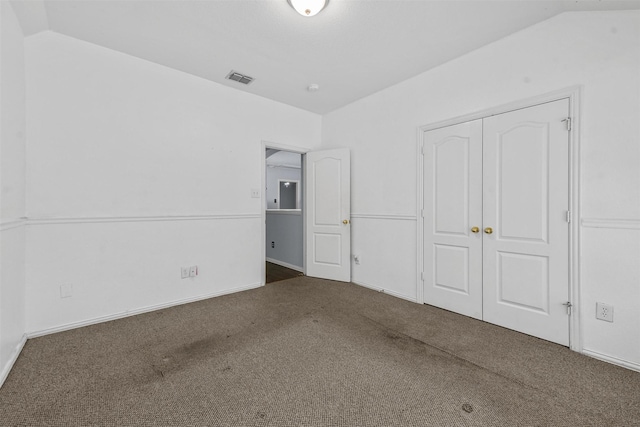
x=308, y=7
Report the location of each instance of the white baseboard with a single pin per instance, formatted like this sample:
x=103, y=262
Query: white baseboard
x=613, y=360
x=285, y=264
x=96, y=320
x=12, y=360
x=386, y=291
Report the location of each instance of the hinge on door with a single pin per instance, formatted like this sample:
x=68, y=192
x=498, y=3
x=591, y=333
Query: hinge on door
x=568, y=216
x=568, y=121
x=422, y=276
x=568, y=305
x=422, y=213
x=422, y=150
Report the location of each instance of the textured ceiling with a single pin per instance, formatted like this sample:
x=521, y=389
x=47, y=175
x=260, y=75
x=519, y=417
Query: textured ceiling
x=351, y=49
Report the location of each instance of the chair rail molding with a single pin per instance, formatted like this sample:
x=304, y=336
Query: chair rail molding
x=155, y=218
x=627, y=224
x=12, y=223
x=395, y=217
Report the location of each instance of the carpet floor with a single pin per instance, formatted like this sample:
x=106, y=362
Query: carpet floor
x=310, y=352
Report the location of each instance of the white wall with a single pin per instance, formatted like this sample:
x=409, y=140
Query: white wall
x=135, y=170
x=12, y=184
x=598, y=50
x=284, y=229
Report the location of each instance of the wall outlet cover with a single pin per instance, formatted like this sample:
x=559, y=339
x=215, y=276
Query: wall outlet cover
x=184, y=272
x=604, y=312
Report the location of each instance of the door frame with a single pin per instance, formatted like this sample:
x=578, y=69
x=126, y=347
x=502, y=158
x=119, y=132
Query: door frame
x=573, y=94
x=263, y=198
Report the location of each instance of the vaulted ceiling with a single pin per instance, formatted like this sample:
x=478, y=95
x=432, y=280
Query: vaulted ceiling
x=350, y=50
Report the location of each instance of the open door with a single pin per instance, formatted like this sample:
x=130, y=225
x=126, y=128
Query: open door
x=328, y=214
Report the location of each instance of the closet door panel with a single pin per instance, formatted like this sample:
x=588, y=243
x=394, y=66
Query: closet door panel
x=526, y=196
x=453, y=206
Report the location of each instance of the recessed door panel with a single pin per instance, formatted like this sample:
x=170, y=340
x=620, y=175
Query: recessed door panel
x=523, y=281
x=523, y=178
x=327, y=196
x=451, y=268
x=327, y=249
x=451, y=176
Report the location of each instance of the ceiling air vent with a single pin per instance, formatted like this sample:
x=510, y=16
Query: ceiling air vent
x=240, y=78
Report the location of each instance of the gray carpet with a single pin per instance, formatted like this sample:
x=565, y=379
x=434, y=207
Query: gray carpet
x=309, y=352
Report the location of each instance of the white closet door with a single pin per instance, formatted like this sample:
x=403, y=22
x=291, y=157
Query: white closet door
x=526, y=198
x=453, y=206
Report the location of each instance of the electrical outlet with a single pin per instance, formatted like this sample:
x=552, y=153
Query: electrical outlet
x=184, y=272
x=255, y=193
x=66, y=290
x=193, y=271
x=604, y=312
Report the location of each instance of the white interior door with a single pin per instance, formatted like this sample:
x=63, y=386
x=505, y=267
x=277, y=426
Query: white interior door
x=328, y=214
x=526, y=199
x=453, y=191
x=507, y=175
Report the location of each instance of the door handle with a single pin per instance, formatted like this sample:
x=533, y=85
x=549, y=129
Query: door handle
x=345, y=221
x=488, y=230
x=475, y=229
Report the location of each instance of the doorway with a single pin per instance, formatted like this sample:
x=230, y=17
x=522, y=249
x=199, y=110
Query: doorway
x=323, y=213
x=284, y=230
x=495, y=231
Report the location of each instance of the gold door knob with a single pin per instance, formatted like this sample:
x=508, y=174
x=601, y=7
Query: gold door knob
x=475, y=230
x=488, y=230
x=345, y=221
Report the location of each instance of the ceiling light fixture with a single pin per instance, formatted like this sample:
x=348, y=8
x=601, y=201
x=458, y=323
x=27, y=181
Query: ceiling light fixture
x=308, y=7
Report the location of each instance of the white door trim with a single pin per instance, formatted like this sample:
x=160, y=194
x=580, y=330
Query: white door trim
x=263, y=198
x=573, y=95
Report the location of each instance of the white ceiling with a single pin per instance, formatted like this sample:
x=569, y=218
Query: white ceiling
x=351, y=49
x=285, y=159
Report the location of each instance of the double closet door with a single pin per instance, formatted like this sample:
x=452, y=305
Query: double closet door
x=496, y=231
